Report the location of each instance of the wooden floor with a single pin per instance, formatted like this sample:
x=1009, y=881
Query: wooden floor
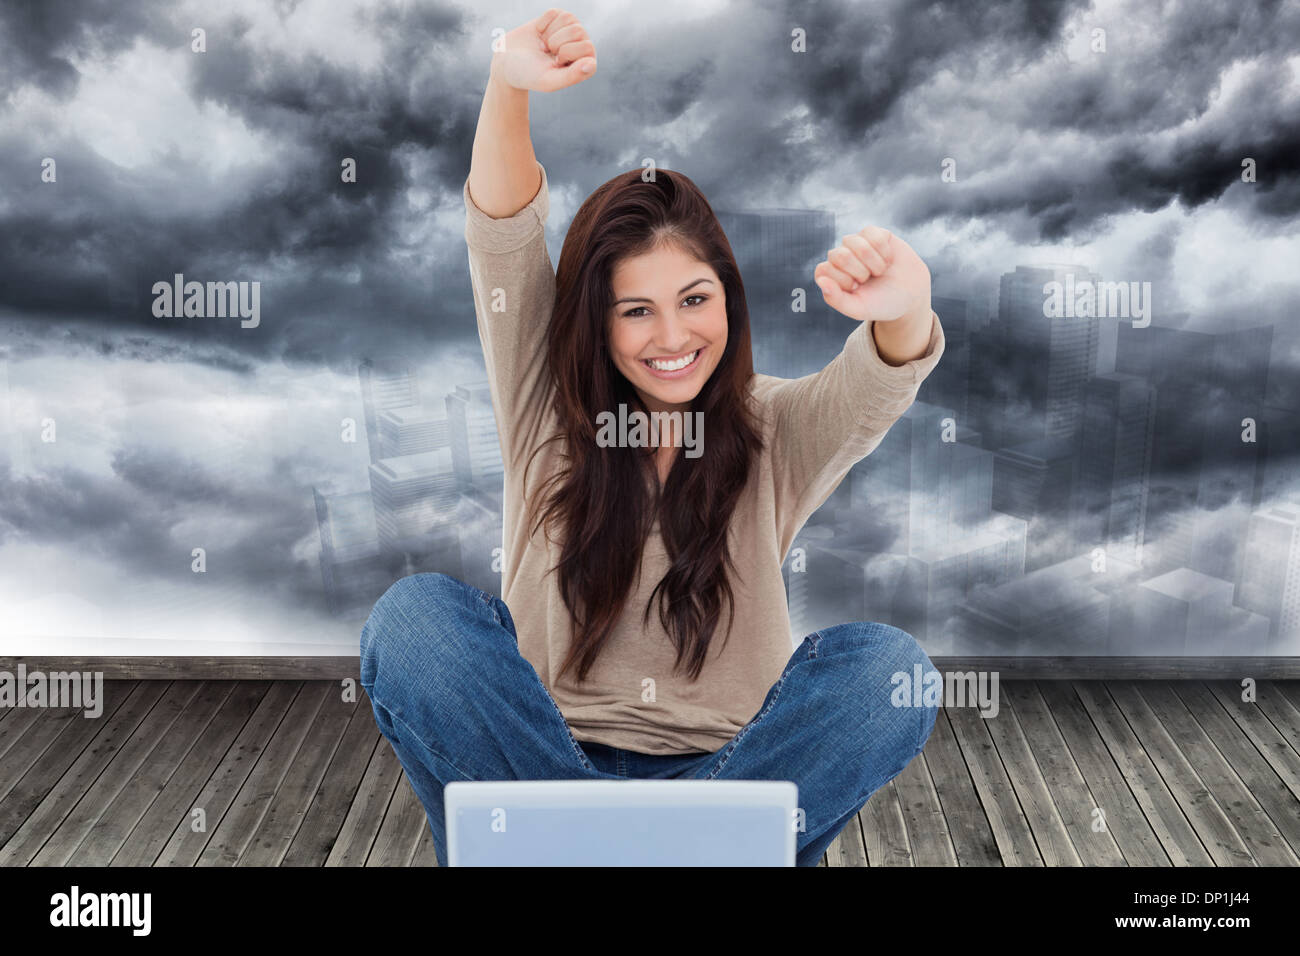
x=286, y=774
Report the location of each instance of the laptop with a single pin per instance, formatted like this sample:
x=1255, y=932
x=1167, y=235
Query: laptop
x=621, y=822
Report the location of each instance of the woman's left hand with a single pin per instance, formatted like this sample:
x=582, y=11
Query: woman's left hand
x=874, y=275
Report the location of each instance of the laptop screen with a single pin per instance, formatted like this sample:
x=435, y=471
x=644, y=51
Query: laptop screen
x=621, y=823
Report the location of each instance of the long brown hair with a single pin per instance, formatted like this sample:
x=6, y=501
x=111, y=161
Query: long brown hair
x=604, y=501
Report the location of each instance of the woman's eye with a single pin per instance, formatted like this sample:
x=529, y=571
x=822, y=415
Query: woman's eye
x=638, y=311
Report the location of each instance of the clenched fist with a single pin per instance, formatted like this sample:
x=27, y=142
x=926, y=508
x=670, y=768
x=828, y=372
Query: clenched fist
x=546, y=54
x=874, y=275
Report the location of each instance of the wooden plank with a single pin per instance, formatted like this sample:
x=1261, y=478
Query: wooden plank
x=1123, y=818
x=50, y=789
x=321, y=826
x=361, y=825
x=1247, y=817
x=1006, y=818
x=1273, y=699
x=46, y=726
x=149, y=835
x=126, y=763
x=1070, y=791
x=422, y=832
x=109, y=831
x=927, y=830
x=963, y=814
x=15, y=725
x=186, y=844
x=1212, y=826
x=848, y=848
x=400, y=831
x=288, y=807
x=1178, y=834
x=1232, y=753
x=1288, y=686
x=1039, y=809
x=425, y=853
x=884, y=831
x=235, y=831
x=1151, y=755
x=1252, y=720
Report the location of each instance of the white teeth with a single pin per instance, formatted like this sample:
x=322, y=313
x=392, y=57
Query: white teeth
x=673, y=366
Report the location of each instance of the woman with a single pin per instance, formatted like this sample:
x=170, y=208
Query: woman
x=644, y=630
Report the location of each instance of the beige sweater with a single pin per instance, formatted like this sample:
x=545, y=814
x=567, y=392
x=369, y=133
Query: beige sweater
x=815, y=428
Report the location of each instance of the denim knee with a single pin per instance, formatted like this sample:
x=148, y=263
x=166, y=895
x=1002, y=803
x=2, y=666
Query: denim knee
x=404, y=613
x=885, y=657
x=889, y=647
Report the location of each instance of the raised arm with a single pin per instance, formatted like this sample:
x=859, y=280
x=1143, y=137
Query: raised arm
x=827, y=421
x=506, y=206
x=503, y=175
x=545, y=54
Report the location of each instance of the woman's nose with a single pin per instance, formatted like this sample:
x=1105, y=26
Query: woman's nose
x=672, y=333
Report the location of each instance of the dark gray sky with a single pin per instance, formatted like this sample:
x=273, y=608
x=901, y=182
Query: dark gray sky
x=224, y=165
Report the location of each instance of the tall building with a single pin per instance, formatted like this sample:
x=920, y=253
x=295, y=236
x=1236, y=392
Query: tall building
x=412, y=430
x=352, y=568
x=1055, y=355
x=1187, y=613
x=939, y=578
x=1054, y=611
x=481, y=529
x=777, y=250
x=415, y=498
x=412, y=518
x=1270, y=574
x=1206, y=480
x=475, y=447
x=934, y=491
x=936, y=498
x=385, y=384
x=948, y=385
x=1279, y=435
x=1035, y=481
x=1115, y=466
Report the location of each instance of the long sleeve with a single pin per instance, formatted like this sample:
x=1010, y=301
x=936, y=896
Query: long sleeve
x=514, y=292
x=826, y=422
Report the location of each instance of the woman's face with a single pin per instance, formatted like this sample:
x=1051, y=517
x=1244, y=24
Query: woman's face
x=669, y=325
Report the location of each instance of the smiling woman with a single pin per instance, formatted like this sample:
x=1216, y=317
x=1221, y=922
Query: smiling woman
x=644, y=621
x=670, y=336
x=649, y=311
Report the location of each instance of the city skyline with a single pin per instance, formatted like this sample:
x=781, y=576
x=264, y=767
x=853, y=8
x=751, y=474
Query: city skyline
x=996, y=145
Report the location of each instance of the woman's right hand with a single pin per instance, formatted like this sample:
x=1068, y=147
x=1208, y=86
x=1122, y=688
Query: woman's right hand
x=546, y=54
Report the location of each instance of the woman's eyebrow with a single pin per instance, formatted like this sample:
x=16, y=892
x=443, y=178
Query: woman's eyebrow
x=637, y=298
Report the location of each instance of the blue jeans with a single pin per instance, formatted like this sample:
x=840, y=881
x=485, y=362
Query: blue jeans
x=457, y=701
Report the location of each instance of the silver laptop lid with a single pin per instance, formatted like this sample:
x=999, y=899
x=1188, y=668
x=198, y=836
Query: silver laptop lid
x=621, y=823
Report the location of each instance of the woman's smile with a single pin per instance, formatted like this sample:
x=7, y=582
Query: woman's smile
x=673, y=366
x=667, y=328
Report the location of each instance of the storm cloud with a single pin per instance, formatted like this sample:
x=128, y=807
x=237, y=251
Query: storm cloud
x=1109, y=133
